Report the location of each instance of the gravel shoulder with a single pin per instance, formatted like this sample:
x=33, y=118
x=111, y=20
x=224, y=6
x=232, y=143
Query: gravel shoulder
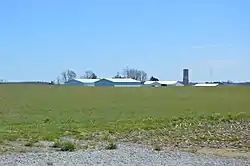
x=184, y=140
x=125, y=154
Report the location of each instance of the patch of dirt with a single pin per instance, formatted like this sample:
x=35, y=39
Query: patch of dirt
x=15, y=147
x=226, y=152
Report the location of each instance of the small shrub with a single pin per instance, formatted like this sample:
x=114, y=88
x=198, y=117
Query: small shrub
x=111, y=132
x=64, y=146
x=111, y=146
x=157, y=148
x=68, y=146
x=30, y=143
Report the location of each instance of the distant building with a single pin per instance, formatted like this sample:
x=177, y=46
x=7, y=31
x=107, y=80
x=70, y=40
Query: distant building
x=163, y=83
x=106, y=82
x=206, y=85
x=118, y=82
x=171, y=83
x=152, y=83
x=28, y=82
x=81, y=82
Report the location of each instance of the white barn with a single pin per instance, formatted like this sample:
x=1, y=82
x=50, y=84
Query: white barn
x=81, y=82
x=163, y=83
x=118, y=82
x=152, y=83
x=171, y=83
x=206, y=85
x=105, y=82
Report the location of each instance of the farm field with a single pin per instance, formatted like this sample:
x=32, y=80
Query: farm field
x=206, y=116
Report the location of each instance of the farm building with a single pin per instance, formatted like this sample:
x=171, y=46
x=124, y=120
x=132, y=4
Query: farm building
x=38, y=82
x=152, y=83
x=206, y=85
x=118, y=82
x=163, y=83
x=82, y=82
x=171, y=83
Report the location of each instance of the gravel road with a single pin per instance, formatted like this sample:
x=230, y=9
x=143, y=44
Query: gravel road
x=123, y=155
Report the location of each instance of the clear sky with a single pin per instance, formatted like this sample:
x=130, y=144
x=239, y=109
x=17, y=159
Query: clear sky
x=41, y=38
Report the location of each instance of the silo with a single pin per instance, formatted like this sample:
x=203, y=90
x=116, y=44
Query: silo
x=185, y=77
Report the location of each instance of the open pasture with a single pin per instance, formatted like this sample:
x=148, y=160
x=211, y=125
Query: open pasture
x=49, y=112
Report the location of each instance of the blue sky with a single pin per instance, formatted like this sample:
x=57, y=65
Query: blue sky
x=39, y=39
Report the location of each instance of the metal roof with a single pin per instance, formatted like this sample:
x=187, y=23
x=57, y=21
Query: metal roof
x=150, y=82
x=87, y=80
x=122, y=80
x=168, y=82
x=109, y=79
x=206, y=84
x=26, y=81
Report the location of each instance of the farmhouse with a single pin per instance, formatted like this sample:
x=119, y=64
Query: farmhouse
x=117, y=82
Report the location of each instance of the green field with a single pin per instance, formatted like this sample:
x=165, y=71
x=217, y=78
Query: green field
x=48, y=112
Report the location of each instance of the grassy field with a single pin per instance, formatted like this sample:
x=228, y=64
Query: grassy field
x=49, y=112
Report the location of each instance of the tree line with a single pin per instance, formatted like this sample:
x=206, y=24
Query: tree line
x=133, y=73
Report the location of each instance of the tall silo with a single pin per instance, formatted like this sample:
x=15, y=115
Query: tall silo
x=185, y=77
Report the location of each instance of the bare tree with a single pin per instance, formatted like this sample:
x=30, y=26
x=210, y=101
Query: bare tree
x=136, y=74
x=89, y=75
x=68, y=75
x=58, y=80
